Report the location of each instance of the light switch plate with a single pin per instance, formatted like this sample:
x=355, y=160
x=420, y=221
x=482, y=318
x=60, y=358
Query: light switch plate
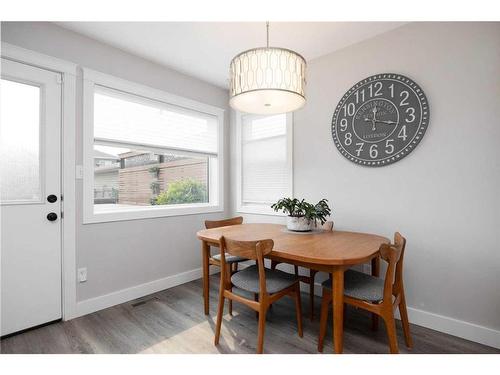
x=79, y=172
x=82, y=274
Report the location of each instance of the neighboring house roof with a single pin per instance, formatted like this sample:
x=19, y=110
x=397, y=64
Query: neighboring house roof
x=103, y=155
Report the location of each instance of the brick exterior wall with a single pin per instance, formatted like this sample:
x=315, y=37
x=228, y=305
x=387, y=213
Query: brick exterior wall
x=135, y=183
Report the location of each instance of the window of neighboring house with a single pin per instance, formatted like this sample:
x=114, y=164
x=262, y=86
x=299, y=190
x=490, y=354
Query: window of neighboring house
x=264, y=167
x=148, y=153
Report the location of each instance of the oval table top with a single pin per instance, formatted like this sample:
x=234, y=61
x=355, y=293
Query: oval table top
x=322, y=248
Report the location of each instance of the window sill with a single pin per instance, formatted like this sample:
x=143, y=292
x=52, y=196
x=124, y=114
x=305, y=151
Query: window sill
x=258, y=210
x=148, y=212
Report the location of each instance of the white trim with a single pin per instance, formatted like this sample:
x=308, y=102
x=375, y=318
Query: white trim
x=69, y=195
x=256, y=208
x=121, y=296
x=216, y=199
x=440, y=323
x=147, y=92
x=150, y=212
x=68, y=127
x=40, y=60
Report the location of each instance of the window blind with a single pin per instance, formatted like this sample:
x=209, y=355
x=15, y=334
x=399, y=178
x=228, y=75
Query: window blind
x=129, y=118
x=264, y=164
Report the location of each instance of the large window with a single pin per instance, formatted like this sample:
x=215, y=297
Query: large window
x=264, y=166
x=148, y=153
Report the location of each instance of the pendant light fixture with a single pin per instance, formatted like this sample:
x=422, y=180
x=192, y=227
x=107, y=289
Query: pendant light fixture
x=267, y=80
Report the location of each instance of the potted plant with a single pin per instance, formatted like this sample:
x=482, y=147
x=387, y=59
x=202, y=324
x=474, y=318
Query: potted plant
x=302, y=216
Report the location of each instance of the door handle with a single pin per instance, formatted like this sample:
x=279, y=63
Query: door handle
x=52, y=216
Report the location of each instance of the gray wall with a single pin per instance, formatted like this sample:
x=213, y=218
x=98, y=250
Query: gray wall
x=444, y=196
x=124, y=254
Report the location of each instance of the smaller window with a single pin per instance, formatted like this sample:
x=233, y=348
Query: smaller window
x=264, y=168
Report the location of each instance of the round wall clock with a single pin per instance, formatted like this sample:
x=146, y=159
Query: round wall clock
x=380, y=120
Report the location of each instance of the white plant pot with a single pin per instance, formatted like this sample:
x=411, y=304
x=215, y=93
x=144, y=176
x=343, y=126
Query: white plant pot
x=299, y=224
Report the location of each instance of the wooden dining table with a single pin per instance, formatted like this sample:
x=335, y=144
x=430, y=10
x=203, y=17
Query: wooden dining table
x=328, y=251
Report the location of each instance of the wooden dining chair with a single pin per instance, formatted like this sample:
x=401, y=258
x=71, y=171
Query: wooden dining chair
x=312, y=274
x=231, y=260
x=270, y=285
x=374, y=294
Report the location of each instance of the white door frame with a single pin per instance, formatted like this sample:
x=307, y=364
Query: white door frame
x=68, y=71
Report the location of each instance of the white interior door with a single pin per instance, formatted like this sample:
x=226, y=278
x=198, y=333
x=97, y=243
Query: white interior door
x=30, y=196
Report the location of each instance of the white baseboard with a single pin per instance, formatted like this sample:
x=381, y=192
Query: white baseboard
x=441, y=323
x=121, y=296
x=455, y=327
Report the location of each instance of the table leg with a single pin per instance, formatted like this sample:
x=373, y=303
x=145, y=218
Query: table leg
x=375, y=272
x=338, y=309
x=206, y=281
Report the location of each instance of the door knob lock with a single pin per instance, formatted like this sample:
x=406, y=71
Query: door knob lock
x=52, y=198
x=52, y=216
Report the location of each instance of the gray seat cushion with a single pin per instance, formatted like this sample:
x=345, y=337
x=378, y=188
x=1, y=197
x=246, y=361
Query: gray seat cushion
x=229, y=258
x=248, y=279
x=361, y=286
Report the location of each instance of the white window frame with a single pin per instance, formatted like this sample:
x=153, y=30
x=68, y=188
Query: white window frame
x=256, y=208
x=92, y=78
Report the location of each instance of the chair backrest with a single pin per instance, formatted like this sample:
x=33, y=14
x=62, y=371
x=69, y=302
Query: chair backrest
x=328, y=225
x=209, y=224
x=393, y=254
x=255, y=250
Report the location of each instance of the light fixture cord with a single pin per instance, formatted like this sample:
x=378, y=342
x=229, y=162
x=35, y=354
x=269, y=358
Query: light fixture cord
x=267, y=30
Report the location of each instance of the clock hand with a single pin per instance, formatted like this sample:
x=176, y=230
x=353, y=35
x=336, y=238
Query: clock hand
x=374, y=110
x=387, y=122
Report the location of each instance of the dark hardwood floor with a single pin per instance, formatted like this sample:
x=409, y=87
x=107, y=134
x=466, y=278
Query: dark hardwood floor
x=172, y=321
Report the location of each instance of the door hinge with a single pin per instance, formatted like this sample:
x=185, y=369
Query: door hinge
x=59, y=78
x=62, y=215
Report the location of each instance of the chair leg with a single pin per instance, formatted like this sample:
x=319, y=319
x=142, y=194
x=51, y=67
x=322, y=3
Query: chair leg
x=262, y=325
x=296, y=270
x=312, y=275
x=404, y=321
x=298, y=308
x=230, y=301
x=374, y=322
x=323, y=319
x=273, y=267
x=220, y=312
x=390, y=325
x=256, y=299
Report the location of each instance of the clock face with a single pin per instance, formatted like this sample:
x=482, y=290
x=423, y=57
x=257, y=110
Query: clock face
x=380, y=120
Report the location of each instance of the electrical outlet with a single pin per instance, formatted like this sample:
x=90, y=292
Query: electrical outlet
x=82, y=274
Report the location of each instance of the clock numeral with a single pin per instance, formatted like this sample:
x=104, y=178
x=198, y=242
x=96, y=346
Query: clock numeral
x=378, y=88
x=349, y=109
x=359, y=94
x=373, y=151
x=411, y=113
x=348, y=139
x=391, y=89
x=358, y=150
x=402, y=133
x=389, y=147
x=405, y=95
x=343, y=125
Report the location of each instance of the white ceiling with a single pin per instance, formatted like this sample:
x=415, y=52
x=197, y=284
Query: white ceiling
x=205, y=49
